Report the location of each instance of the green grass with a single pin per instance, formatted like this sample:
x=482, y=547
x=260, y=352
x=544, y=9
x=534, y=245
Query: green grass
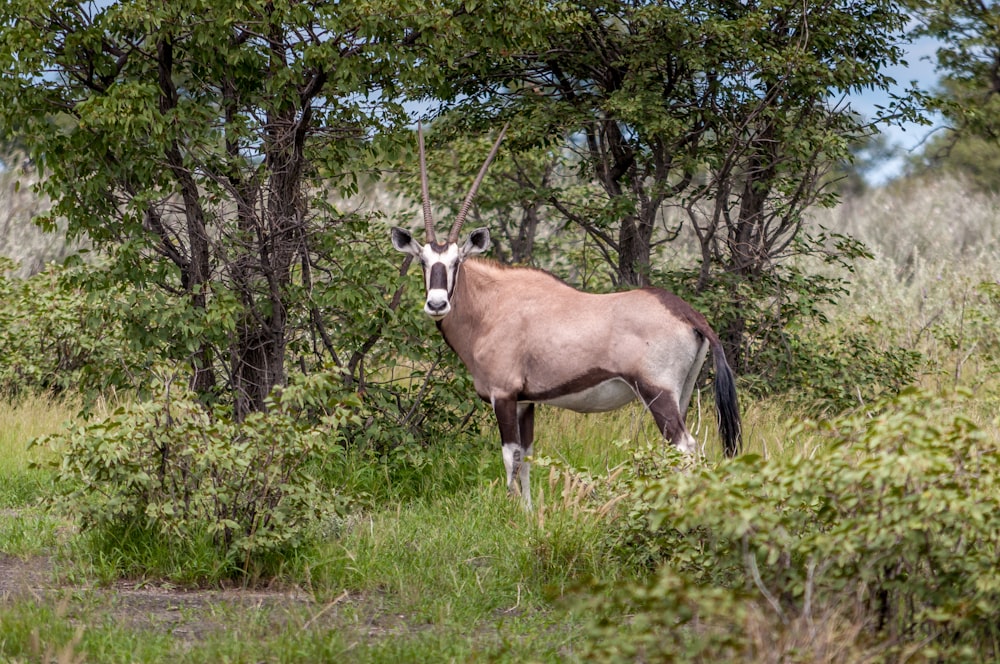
x=20, y=422
x=25, y=528
x=436, y=563
x=49, y=633
x=441, y=566
x=463, y=555
x=455, y=575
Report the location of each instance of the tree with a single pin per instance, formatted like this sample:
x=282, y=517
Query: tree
x=191, y=141
x=968, y=94
x=969, y=157
x=197, y=153
x=731, y=112
x=849, y=177
x=969, y=56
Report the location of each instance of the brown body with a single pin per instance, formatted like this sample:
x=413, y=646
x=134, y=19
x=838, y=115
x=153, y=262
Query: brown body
x=527, y=336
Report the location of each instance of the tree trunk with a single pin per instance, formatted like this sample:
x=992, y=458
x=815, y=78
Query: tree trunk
x=196, y=269
x=523, y=245
x=634, y=250
x=748, y=255
x=265, y=271
x=258, y=365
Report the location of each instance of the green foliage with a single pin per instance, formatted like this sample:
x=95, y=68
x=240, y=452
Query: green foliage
x=718, y=113
x=511, y=201
x=58, y=338
x=192, y=161
x=213, y=131
x=824, y=370
x=789, y=346
x=868, y=153
x=894, y=511
x=719, y=110
x=673, y=620
x=967, y=40
x=367, y=327
x=973, y=159
x=967, y=36
x=189, y=475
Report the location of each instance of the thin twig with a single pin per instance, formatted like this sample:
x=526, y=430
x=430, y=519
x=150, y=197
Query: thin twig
x=750, y=561
x=340, y=598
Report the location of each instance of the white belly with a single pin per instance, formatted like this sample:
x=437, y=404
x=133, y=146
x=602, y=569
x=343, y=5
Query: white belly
x=609, y=395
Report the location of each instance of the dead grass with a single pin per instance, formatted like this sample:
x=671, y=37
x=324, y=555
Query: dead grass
x=934, y=244
x=25, y=419
x=827, y=635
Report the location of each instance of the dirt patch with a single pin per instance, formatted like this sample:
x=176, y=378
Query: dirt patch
x=191, y=615
x=20, y=577
x=188, y=615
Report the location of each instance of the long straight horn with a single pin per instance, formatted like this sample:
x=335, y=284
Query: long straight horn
x=464, y=210
x=428, y=217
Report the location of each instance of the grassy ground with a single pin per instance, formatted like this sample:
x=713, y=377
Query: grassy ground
x=25, y=529
x=21, y=422
x=466, y=576
x=444, y=566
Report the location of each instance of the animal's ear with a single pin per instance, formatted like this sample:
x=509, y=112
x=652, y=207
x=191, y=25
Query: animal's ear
x=403, y=241
x=478, y=242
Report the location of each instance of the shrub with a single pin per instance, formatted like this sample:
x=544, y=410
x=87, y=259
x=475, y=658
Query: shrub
x=894, y=517
x=789, y=346
x=56, y=339
x=188, y=474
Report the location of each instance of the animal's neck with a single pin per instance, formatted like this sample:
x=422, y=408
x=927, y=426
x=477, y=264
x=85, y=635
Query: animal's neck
x=469, y=304
x=466, y=286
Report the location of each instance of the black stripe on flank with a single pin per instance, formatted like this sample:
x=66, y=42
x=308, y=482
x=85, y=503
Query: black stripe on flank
x=578, y=384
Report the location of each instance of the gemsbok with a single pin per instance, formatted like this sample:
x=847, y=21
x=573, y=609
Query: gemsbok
x=529, y=338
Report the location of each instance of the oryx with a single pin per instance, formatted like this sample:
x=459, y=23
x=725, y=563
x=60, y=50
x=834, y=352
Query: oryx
x=529, y=338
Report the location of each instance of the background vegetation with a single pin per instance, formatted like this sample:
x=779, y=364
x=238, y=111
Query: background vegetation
x=232, y=386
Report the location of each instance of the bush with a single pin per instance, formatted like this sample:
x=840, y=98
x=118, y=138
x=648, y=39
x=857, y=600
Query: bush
x=894, y=517
x=188, y=474
x=56, y=339
x=788, y=345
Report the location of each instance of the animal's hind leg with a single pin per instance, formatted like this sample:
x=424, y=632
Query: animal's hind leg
x=662, y=405
x=692, y=378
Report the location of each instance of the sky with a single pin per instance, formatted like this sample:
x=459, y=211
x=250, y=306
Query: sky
x=920, y=67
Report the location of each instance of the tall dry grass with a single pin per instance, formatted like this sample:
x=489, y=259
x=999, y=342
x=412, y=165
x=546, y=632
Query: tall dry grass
x=24, y=419
x=936, y=246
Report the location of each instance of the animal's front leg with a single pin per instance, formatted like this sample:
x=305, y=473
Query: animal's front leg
x=513, y=451
x=526, y=428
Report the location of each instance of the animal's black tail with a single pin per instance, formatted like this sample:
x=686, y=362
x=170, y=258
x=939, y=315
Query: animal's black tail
x=726, y=405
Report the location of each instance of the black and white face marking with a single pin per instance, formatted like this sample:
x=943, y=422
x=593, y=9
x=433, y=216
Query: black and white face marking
x=440, y=262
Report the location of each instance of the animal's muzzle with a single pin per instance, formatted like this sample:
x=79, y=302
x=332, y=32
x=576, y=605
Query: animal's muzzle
x=437, y=305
